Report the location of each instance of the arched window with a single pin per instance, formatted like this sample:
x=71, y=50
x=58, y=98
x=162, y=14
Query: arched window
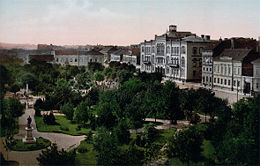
x=168, y=50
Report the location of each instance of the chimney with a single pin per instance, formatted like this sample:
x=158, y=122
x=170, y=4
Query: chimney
x=207, y=37
x=202, y=36
x=172, y=28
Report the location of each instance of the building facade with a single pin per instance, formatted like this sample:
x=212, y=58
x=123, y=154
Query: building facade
x=77, y=58
x=233, y=70
x=177, y=55
x=256, y=76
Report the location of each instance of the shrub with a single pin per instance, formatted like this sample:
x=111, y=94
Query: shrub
x=82, y=149
x=49, y=119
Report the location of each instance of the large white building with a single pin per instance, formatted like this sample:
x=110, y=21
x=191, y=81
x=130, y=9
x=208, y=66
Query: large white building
x=256, y=75
x=177, y=55
x=77, y=58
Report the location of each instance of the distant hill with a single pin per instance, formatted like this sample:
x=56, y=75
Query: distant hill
x=19, y=46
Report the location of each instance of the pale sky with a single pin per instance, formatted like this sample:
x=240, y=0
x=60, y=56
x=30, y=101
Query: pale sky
x=123, y=22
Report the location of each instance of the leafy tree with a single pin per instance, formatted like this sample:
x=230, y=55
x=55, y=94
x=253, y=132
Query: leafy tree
x=67, y=109
x=94, y=66
x=52, y=156
x=172, y=95
x=28, y=78
x=49, y=119
x=123, y=76
x=14, y=88
x=99, y=76
x=186, y=145
x=240, y=141
x=81, y=114
x=13, y=107
x=107, y=113
x=121, y=132
x=105, y=145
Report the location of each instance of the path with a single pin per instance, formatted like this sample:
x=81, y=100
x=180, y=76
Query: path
x=64, y=141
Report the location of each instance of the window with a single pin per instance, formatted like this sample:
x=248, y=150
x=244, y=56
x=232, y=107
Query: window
x=183, y=50
x=234, y=83
x=177, y=50
x=142, y=49
x=203, y=68
x=218, y=80
x=228, y=82
x=153, y=49
x=76, y=59
x=57, y=59
x=203, y=79
x=168, y=50
x=221, y=69
x=71, y=60
x=201, y=50
x=229, y=70
x=194, y=62
x=194, y=50
x=182, y=61
x=214, y=80
x=210, y=79
x=206, y=78
x=238, y=83
x=225, y=82
x=160, y=48
x=210, y=69
x=221, y=81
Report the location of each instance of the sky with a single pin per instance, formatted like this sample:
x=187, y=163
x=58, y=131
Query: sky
x=123, y=22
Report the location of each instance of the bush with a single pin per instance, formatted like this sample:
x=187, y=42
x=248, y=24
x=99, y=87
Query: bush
x=49, y=119
x=82, y=149
x=52, y=156
x=67, y=109
x=78, y=128
x=37, y=112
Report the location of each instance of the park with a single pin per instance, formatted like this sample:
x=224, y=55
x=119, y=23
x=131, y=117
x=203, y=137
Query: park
x=116, y=115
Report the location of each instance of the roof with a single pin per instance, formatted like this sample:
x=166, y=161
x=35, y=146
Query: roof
x=136, y=51
x=193, y=38
x=42, y=58
x=93, y=52
x=256, y=61
x=235, y=54
x=212, y=45
x=118, y=52
x=66, y=52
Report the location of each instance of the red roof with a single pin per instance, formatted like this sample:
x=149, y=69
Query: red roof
x=66, y=52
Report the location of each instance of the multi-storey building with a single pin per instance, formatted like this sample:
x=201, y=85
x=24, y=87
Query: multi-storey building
x=233, y=70
x=177, y=55
x=214, y=49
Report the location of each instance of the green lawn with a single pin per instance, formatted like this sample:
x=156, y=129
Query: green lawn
x=64, y=126
x=87, y=158
x=41, y=143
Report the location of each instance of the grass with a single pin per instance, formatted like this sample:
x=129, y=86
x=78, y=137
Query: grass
x=87, y=158
x=41, y=143
x=63, y=126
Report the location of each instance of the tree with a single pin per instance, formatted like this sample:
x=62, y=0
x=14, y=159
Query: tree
x=105, y=145
x=14, y=88
x=13, y=107
x=186, y=145
x=173, y=104
x=94, y=66
x=123, y=76
x=52, y=156
x=67, y=109
x=121, y=132
x=28, y=78
x=81, y=114
x=99, y=76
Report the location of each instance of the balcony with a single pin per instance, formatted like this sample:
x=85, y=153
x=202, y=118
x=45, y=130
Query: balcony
x=173, y=65
x=147, y=62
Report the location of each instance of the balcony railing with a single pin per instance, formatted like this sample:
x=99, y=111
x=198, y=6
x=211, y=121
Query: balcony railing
x=173, y=65
x=147, y=62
